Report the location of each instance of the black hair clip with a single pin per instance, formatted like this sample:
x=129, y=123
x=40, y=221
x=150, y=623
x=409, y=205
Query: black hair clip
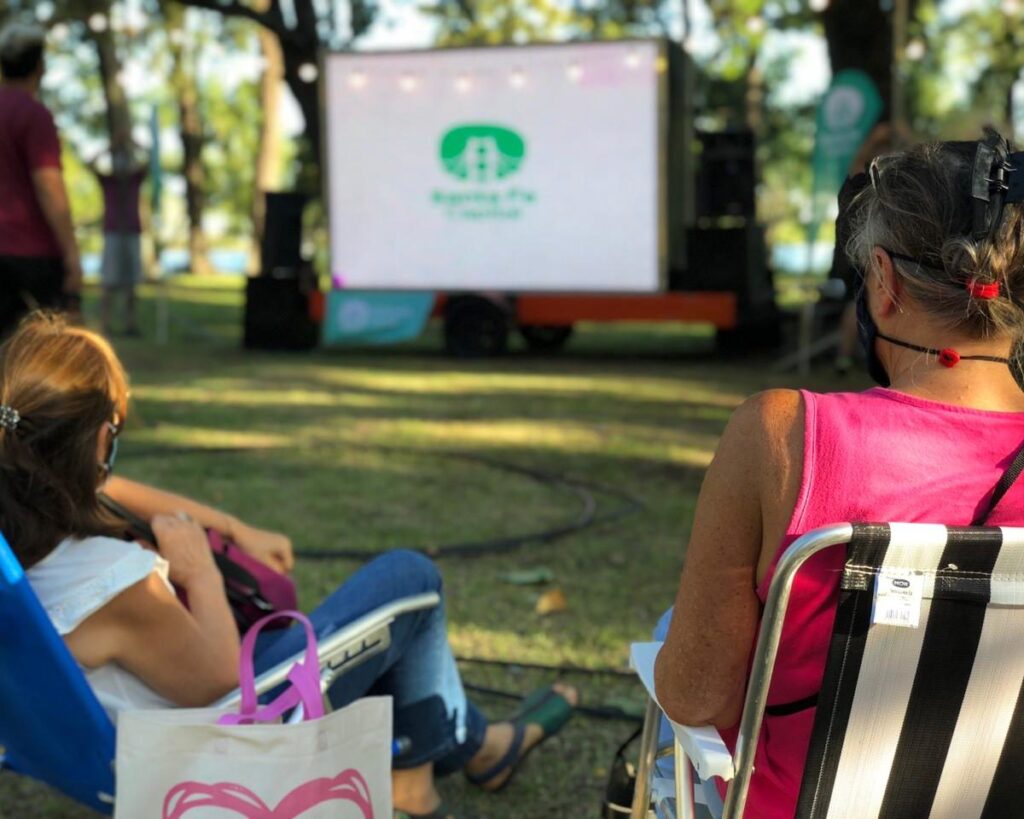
x=995, y=181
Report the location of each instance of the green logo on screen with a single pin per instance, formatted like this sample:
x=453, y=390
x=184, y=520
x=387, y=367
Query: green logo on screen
x=482, y=153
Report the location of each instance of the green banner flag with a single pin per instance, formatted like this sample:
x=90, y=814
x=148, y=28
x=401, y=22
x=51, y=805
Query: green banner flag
x=848, y=111
x=156, y=175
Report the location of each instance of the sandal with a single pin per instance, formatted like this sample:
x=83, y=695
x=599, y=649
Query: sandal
x=545, y=707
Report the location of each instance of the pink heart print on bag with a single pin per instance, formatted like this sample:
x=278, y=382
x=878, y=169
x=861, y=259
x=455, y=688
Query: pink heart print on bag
x=348, y=786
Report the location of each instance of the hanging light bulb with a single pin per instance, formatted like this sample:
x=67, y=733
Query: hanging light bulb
x=517, y=79
x=756, y=24
x=357, y=80
x=308, y=72
x=819, y=5
x=98, y=22
x=574, y=72
x=915, y=50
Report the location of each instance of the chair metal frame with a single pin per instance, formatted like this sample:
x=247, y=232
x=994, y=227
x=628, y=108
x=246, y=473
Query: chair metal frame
x=702, y=745
x=342, y=651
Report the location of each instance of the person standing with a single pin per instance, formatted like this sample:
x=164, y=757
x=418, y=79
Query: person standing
x=40, y=264
x=122, y=230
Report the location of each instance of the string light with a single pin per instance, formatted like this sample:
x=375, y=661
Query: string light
x=517, y=79
x=574, y=72
x=756, y=24
x=819, y=5
x=357, y=80
x=98, y=22
x=915, y=50
x=308, y=72
x=408, y=83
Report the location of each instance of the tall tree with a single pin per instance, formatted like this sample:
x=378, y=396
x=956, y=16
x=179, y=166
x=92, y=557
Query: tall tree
x=302, y=28
x=193, y=138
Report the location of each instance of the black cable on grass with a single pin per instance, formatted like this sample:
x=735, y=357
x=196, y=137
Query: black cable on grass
x=563, y=669
x=597, y=712
x=588, y=516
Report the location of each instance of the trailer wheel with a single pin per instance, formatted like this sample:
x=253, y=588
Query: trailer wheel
x=545, y=338
x=475, y=327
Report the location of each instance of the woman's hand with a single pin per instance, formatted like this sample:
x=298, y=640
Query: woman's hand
x=183, y=543
x=268, y=547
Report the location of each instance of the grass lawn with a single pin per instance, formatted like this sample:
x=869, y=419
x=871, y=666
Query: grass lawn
x=351, y=449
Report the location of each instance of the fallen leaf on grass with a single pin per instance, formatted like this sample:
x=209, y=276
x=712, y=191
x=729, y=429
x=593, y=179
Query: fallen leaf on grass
x=528, y=577
x=551, y=602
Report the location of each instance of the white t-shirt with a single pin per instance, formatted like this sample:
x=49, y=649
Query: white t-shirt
x=78, y=578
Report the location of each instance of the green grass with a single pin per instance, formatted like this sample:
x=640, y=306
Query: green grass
x=351, y=449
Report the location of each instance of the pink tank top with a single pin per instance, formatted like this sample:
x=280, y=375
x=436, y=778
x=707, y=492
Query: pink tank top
x=880, y=456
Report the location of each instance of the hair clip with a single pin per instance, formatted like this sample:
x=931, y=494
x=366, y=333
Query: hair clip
x=9, y=418
x=980, y=290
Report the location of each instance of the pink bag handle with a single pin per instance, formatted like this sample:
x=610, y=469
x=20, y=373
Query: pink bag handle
x=304, y=677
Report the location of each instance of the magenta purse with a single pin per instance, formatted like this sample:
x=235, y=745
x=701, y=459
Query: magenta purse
x=253, y=589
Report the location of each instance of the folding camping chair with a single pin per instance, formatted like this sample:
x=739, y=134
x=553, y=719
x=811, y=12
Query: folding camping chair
x=924, y=721
x=52, y=727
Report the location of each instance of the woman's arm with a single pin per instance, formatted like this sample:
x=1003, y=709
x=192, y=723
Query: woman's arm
x=272, y=548
x=189, y=656
x=701, y=671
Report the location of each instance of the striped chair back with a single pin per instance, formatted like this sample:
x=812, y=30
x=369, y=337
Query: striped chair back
x=923, y=720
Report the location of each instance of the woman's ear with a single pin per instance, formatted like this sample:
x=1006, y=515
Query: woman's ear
x=887, y=284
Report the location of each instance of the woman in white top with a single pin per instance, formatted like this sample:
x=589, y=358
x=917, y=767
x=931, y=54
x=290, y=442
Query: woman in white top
x=63, y=402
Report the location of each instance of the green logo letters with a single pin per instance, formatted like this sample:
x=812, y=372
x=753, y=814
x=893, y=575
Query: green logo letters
x=482, y=153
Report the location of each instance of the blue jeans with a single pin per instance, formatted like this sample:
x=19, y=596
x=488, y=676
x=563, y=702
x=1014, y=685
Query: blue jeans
x=417, y=670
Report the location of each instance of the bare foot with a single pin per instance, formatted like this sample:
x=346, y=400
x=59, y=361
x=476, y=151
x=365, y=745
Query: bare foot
x=498, y=740
x=413, y=791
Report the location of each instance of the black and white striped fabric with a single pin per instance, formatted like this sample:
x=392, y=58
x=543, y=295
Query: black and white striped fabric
x=929, y=721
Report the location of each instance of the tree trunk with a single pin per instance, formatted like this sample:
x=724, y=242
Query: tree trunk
x=119, y=120
x=859, y=35
x=192, y=142
x=268, y=160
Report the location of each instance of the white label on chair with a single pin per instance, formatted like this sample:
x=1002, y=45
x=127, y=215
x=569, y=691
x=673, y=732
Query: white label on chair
x=897, y=598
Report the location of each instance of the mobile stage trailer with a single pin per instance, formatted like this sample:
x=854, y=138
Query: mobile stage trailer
x=533, y=187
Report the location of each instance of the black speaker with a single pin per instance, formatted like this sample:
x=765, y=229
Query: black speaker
x=725, y=183
x=282, y=232
x=278, y=313
x=729, y=259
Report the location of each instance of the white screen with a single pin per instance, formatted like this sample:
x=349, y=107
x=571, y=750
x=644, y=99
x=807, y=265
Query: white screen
x=516, y=169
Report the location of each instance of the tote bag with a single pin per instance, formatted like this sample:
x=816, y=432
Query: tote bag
x=207, y=763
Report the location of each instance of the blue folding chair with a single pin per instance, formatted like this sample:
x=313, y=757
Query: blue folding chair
x=52, y=727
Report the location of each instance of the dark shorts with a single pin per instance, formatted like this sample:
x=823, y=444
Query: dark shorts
x=28, y=283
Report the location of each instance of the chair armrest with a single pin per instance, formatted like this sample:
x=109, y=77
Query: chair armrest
x=703, y=745
x=345, y=649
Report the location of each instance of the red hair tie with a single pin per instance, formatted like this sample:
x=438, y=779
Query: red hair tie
x=983, y=291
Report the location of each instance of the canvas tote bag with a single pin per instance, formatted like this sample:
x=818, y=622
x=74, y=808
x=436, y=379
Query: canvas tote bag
x=206, y=763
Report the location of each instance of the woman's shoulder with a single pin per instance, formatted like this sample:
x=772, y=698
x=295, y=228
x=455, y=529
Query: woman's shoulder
x=771, y=415
x=82, y=575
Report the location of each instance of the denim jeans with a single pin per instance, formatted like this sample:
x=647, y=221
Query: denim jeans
x=417, y=670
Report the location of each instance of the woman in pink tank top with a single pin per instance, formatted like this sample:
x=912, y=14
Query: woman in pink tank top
x=941, y=316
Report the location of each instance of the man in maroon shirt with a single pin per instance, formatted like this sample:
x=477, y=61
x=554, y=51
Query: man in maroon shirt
x=39, y=261
x=120, y=179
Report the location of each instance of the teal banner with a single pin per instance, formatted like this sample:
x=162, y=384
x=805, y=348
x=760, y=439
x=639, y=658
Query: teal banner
x=848, y=111
x=363, y=317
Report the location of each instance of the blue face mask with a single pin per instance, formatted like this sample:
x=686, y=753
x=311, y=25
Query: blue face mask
x=867, y=332
x=107, y=467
